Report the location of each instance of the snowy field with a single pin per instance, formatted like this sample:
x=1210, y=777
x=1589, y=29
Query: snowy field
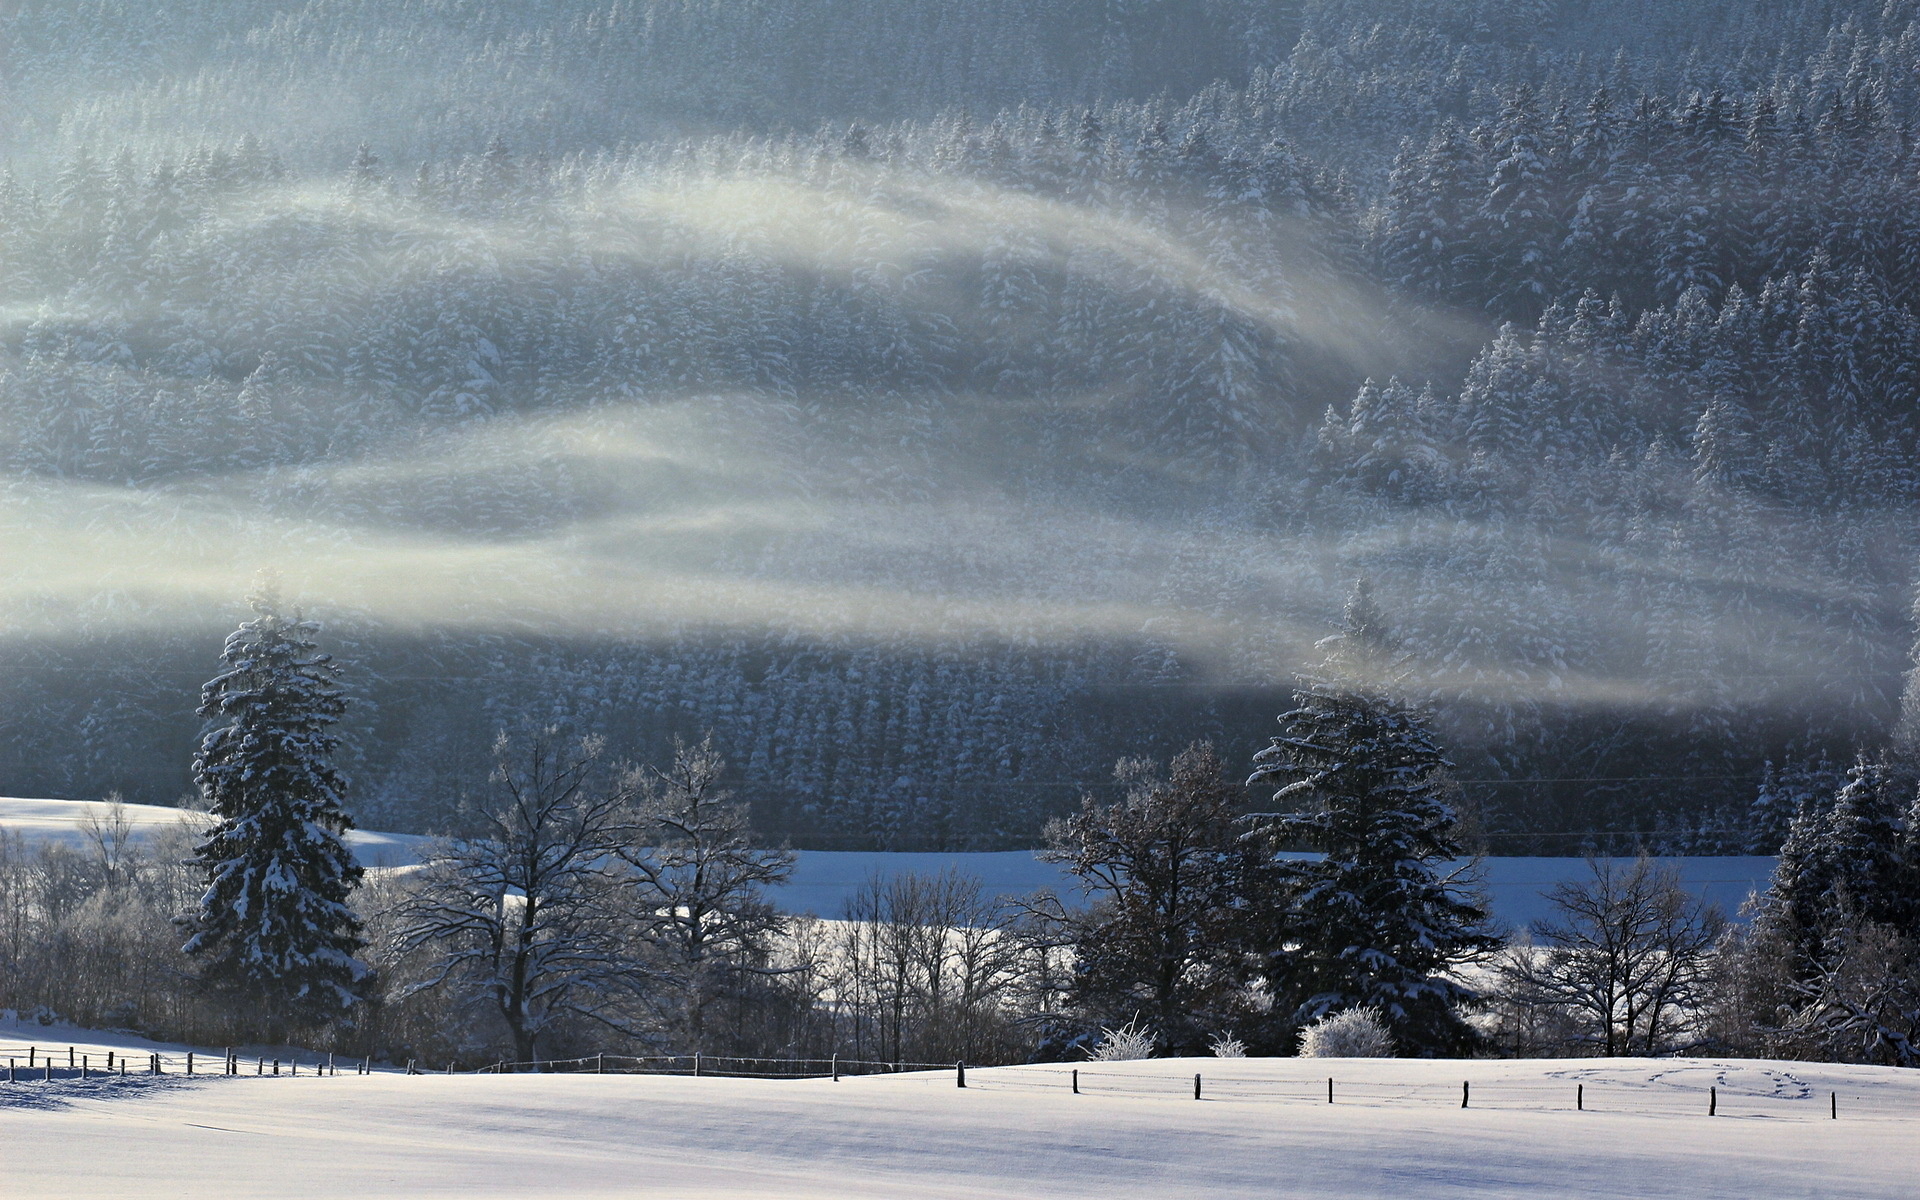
x=1263, y=1129
x=38, y=821
x=823, y=880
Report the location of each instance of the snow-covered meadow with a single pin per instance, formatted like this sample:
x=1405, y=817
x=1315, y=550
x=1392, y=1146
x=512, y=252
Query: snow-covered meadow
x=41, y=821
x=1263, y=1128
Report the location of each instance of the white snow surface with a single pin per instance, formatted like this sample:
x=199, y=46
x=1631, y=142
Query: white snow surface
x=1264, y=1129
x=38, y=821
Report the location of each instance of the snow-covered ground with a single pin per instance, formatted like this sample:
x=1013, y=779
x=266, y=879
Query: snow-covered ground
x=1263, y=1129
x=37, y=821
x=823, y=880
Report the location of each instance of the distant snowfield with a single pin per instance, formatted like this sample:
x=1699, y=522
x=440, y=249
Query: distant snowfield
x=823, y=880
x=38, y=821
x=1264, y=1129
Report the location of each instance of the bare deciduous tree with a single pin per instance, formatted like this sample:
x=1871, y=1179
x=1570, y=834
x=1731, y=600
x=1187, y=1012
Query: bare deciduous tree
x=697, y=878
x=1624, y=963
x=527, y=915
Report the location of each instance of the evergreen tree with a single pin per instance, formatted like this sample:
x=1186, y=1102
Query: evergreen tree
x=274, y=926
x=1380, y=918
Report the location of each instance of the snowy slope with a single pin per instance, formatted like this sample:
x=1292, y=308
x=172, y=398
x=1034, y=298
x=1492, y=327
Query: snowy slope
x=823, y=880
x=37, y=821
x=1264, y=1130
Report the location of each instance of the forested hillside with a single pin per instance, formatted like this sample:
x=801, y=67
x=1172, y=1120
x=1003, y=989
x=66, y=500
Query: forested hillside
x=938, y=400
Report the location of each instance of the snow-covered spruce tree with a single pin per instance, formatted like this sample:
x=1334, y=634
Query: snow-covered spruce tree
x=274, y=927
x=1382, y=916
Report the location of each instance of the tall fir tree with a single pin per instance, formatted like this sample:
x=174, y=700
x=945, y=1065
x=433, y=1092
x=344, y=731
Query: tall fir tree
x=274, y=927
x=1381, y=917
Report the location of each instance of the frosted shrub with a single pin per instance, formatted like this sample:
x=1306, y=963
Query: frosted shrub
x=1354, y=1033
x=1128, y=1042
x=1228, y=1046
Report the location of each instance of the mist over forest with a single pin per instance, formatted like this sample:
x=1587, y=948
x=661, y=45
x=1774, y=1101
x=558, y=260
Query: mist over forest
x=938, y=400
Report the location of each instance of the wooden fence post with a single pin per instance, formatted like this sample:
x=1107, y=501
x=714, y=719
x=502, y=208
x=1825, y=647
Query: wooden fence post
x=836, y=1068
x=960, y=1074
x=1464, y=1085
x=1076, y=1081
x=1580, y=1096
x=189, y=1062
x=1713, y=1101
x=696, y=1064
x=1833, y=1106
x=1329, y=1089
x=1196, y=1085
x=83, y=1065
x=69, y=1058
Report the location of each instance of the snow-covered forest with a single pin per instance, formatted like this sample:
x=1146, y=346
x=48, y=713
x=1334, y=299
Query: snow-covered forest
x=939, y=400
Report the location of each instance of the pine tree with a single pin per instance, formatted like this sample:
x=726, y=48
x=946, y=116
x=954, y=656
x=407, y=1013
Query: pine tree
x=274, y=926
x=1380, y=918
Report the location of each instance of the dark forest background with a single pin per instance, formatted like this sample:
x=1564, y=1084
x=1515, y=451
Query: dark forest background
x=939, y=400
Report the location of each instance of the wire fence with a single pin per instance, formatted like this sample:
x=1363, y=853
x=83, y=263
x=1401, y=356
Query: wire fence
x=1678, y=1087
x=722, y=1066
x=1681, y=1088
x=28, y=1063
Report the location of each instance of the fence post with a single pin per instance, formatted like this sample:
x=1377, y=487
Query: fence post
x=69, y=1058
x=600, y=1063
x=156, y=1064
x=1329, y=1089
x=1464, y=1085
x=696, y=1064
x=331, y=1069
x=1833, y=1106
x=109, y=1062
x=189, y=1062
x=48, y=1063
x=1580, y=1096
x=1076, y=1081
x=836, y=1068
x=1713, y=1101
x=31, y=1051
x=960, y=1074
x=1196, y=1085
x=83, y=1065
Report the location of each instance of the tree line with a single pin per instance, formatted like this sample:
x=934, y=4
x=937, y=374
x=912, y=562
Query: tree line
x=593, y=907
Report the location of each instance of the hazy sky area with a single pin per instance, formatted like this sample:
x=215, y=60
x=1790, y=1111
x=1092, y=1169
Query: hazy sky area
x=937, y=427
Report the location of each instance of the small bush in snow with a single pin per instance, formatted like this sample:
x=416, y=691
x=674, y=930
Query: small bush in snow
x=1355, y=1033
x=1128, y=1042
x=1228, y=1046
